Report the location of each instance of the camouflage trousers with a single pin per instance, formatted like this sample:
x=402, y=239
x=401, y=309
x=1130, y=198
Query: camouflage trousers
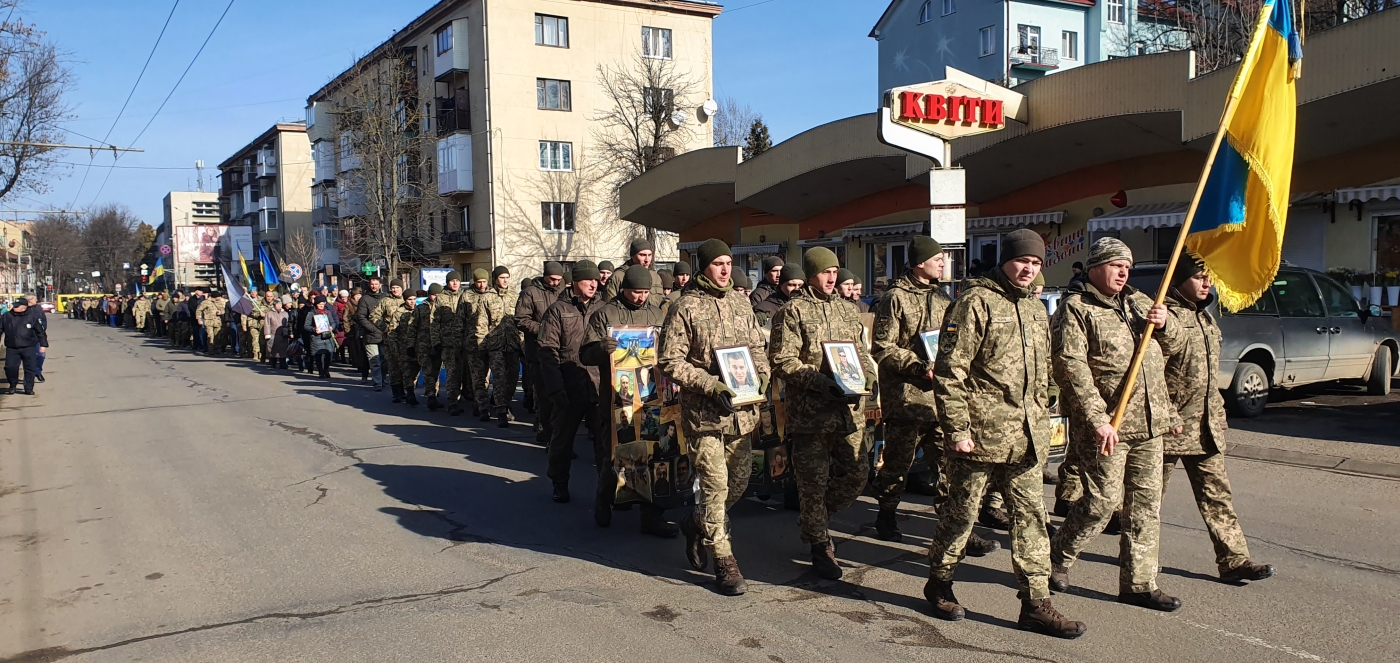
x=451, y=357
x=831, y=471
x=967, y=481
x=391, y=354
x=251, y=340
x=1132, y=475
x=431, y=362
x=722, y=466
x=479, y=363
x=140, y=321
x=1214, y=499
x=505, y=374
x=1070, y=489
x=408, y=367
x=218, y=339
x=903, y=437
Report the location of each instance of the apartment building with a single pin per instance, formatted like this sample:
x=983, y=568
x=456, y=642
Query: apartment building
x=266, y=185
x=188, y=208
x=1009, y=42
x=16, y=268
x=507, y=93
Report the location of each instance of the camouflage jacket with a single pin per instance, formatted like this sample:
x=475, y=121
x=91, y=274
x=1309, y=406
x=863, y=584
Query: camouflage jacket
x=210, y=312
x=1193, y=383
x=403, y=328
x=795, y=351
x=562, y=333
x=161, y=306
x=700, y=322
x=423, y=326
x=448, y=325
x=615, y=283
x=466, y=310
x=616, y=313
x=383, y=314
x=529, y=313
x=1094, y=338
x=254, y=320
x=910, y=308
x=495, y=324
x=992, y=375
x=142, y=306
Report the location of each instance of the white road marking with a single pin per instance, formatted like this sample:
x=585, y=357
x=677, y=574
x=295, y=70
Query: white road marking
x=1261, y=643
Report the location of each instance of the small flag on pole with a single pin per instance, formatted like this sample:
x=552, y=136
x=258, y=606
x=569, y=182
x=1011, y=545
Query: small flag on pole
x=1237, y=230
x=237, y=294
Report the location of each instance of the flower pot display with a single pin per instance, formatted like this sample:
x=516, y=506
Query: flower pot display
x=1392, y=293
x=1356, y=292
x=1375, y=295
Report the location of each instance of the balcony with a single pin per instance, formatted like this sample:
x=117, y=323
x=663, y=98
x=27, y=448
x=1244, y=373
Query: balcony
x=267, y=164
x=456, y=58
x=323, y=155
x=267, y=202
x=454, y=113
x=456, y=241
x=235, y=206
x=454, y=164
x=1035, y=57
x=324, y=217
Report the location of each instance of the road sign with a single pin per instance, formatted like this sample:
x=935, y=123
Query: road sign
x=294, y=271
x=48, y=280
x=165, y=249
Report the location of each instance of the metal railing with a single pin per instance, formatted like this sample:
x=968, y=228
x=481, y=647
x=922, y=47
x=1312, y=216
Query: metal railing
x=1035, y=56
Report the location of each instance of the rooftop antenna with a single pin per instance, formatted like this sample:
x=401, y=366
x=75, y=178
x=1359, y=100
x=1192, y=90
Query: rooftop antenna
x=199, y=167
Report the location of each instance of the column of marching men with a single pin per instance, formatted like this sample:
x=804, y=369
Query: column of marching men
x=979, y=409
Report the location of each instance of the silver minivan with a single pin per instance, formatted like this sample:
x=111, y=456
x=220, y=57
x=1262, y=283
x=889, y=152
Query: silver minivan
x=1305, y=328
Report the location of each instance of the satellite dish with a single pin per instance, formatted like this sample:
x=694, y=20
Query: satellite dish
x=679, y=117
x=709, y=108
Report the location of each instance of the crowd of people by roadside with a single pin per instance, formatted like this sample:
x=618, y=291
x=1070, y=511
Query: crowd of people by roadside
x=969, y=380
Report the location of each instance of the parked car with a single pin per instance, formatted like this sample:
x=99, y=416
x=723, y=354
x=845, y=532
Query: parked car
x=47, y=307
x=1306, y=328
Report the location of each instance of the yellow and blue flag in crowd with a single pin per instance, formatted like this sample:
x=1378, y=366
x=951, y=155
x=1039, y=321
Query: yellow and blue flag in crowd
x=244, y=265
x=269, y=268
x=1238, y=227
x=157, y=271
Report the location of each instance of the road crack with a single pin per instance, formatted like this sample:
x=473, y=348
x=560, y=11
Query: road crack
x=49, y=654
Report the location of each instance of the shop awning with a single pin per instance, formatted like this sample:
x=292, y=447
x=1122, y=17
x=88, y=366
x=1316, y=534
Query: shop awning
x=745, y=249
x=1159, y=215
x=1014, y=220
x=689, y=246
x=892, y=230
x=1366, y=193
x=836, y=240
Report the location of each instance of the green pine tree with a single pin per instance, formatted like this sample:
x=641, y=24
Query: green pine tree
x=758, y=141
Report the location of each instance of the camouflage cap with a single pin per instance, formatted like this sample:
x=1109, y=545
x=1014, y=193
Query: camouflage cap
x=1109, y=249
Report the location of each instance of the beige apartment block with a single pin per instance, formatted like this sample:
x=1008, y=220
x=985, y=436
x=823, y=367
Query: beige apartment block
x=188, y=208
x=511, y=91
x=267, y=185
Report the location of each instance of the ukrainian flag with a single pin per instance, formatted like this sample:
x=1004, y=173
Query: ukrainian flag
x=157, y=271
x=1237, y=229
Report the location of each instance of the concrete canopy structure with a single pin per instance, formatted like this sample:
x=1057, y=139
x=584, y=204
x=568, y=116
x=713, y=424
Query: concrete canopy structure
x=1124, y=132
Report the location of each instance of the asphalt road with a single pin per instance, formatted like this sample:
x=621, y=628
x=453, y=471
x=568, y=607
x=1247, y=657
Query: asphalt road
x=160, y=506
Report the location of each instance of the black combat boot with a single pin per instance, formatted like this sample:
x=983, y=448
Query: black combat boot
x=886, y=526
x=398, y=393
x=503, y=420
x=603, y=498
x=410, y=398
x=995, y=519
x=824, y=561
x=728, y=580
x=694, y=550
x=485, y=416
x=1062, y=508
x=980, y=547
x=654, y=523
x=1039, y=616
x=433, y=403
x=1153, y=600
x=561, y=492
x=1247, y=571
x=1115, y=525
x=940, y=596
x=476, y=410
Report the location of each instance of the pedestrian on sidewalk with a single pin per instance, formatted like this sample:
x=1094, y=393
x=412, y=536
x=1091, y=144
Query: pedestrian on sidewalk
x=26, y=338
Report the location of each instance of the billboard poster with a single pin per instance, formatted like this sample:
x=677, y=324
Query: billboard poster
x=430, y=275
x=206, y=244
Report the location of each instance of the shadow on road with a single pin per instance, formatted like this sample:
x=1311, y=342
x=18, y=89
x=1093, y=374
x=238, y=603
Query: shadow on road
x=1328, y=411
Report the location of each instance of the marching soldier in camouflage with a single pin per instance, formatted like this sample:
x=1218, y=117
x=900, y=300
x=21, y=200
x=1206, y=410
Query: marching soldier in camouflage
x=141, y=310
x=826, y=427
x=447, y=332
x=211, y=314
x=162, y=314
x=708, y=316
x=252, y=329
x=1095, y=335
x=991, y=386
x=631, y=308
x=405, y=344
x=496, y=334
x=1192, y=382
x=385, y=317
x=642, y=254
x=529, y=313
x=475, y=361
x=429, y=360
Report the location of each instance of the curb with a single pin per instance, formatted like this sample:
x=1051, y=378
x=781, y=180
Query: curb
x=1315, y=461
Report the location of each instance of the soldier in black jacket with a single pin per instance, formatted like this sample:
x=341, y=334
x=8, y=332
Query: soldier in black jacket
x=26, y=337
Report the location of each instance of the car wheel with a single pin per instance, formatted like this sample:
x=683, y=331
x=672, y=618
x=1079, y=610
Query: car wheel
x=1249, y=391
x=1379, y=382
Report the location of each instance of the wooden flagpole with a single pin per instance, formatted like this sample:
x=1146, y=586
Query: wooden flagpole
x=1130, y=382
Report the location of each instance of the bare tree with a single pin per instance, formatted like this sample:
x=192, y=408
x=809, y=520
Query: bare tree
x=56, y=243
x=109, y=238
x=302, y=250
x=732, y=122
x=379, y=121
x=32, y=83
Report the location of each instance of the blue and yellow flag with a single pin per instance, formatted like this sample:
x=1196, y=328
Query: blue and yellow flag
x=157, y=271
x=1237, y=230
x=248, y=280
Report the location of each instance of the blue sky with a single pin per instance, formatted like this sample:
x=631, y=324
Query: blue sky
x=799, y=62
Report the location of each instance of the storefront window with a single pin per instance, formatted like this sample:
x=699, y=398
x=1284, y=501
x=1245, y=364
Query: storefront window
x=885, y=259
x=1387, y=243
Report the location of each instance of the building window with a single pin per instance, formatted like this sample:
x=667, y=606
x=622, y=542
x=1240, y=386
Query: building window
x=1030, y=38
x=658, y=100
x=425, y=60
x=988, y=39
x=551, y=31
x=444, y=39
x=555, y=155
x=656, y=43
x=446, y=157
x=926, y=12
x=553, y=95
x=347, y=146
x=1069, y=45
x=1115, y=11
x=949, y=6
x=269, y=220
x=557, y=217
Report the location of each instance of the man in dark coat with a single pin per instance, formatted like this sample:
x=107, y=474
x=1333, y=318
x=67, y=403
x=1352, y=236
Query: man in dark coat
x=767, y=280
x=369, y=331
x=529, y=312
x=572, y=386
x=26, y=337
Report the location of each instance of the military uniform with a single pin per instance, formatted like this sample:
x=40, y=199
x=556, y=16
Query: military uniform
x=1094, y=339
x=991, y=386
x=430, y=362
x=615, y=283
x=211, y=314
x=162, y=313
x=910, y=308
x=140, y=310
x=385, y=316
x=827, y=432
x=529, y=312
x=496, y=334
x=404, y=334
x=447, y=341
x=253, y=330
x=1192, y=382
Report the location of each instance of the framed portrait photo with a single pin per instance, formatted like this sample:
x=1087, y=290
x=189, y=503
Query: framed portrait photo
x=930, y=340
x=737, y=369
x=844, y=361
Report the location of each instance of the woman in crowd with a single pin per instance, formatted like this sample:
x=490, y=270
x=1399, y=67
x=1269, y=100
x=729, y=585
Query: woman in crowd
x=275, y=330
x=322, y=336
